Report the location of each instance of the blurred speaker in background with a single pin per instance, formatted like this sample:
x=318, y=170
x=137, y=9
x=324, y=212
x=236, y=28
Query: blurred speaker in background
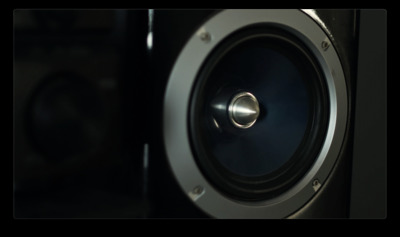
x=76, y=154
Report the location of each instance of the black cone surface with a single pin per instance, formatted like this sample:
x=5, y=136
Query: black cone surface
x=279, y=87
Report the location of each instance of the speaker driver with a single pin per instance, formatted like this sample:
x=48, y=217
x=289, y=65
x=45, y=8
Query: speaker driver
x=258, y=70
x=255, y=113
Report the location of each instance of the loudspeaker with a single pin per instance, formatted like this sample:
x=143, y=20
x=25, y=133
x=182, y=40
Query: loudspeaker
x=232, y=114
x=254, y=112
x=76, y=151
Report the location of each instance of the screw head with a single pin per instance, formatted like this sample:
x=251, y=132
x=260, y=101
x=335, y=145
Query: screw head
x=198, y=190
x=325, y=45
x=205, y=37
x=316, y=185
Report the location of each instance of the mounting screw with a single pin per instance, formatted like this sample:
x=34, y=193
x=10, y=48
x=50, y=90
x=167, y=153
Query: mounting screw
x=197, y=192
x=316, y=185
x=325, y=45
x=205, y=37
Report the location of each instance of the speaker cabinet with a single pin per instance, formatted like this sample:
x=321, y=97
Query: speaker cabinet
x=369, y=166
x=255, y=112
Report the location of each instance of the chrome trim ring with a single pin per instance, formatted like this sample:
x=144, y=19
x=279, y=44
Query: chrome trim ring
x=177, y=100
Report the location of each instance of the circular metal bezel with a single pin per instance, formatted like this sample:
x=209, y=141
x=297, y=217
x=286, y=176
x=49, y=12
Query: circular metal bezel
x=177, y=100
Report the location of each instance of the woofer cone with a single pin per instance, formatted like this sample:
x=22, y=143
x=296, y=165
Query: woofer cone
x=268, y=158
